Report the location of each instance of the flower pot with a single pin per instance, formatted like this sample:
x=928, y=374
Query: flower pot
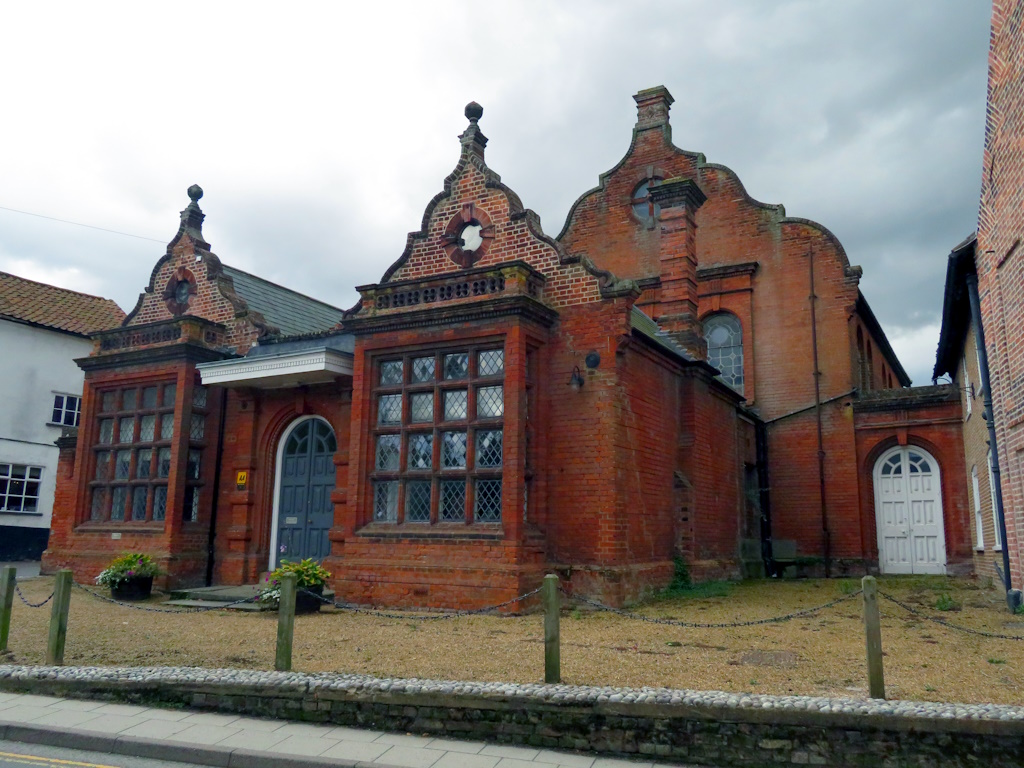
x=306, y=603
x=132, y=588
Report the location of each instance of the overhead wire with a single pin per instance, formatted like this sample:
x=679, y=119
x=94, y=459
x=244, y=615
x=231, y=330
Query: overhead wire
x=79, y=224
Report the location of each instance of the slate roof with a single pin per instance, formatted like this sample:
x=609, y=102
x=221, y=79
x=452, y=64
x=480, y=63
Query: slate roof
x=293, y=313
x=956, y=307
x=645, y=325
x=48, y=306
x=340, y=342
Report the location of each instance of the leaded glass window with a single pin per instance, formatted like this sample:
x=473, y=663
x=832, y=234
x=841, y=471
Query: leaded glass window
x=388, y=452
x=421, y=451
x=423, y=369
x=488, y=500
x=490, y=402
x=417, y=501
x=385, y=501
x=456, y=405
x=437, y=438
x=453, y=450
x=724, y=337
x=389, y=409
x=421, y=407
x=132, y=453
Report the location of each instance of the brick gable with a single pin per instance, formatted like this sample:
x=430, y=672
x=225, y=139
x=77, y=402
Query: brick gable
x=474, y=191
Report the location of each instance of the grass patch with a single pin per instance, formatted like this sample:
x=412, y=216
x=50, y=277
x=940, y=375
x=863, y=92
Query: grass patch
x=926, y=583
x=848, y=586
x=946, y=603
x=683, y=587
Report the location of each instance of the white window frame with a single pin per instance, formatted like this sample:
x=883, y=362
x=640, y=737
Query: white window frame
x=980, y=546
x=7, y=474
x=977, y=363
x=63, y=408
x=992, y=497
x=967, y=389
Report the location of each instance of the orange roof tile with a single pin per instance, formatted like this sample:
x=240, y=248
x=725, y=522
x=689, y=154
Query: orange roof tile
x=58, y=308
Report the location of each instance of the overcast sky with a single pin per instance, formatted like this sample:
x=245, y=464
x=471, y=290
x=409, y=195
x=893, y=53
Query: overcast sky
x=319, y=132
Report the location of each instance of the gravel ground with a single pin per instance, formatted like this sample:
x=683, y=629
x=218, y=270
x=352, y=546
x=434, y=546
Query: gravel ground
x=818, y=655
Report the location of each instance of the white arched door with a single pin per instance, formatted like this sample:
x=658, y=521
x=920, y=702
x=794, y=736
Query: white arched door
x=908, y=512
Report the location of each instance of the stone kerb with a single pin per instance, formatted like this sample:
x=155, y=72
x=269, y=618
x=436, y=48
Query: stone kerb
x=703, y=727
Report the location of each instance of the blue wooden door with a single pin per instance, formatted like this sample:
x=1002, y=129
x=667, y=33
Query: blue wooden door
x=305, y=512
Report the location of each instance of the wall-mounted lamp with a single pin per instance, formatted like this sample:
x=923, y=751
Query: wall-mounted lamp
x=576, y=381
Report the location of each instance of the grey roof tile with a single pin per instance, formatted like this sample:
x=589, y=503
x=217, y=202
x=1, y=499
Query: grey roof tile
x=292, y=312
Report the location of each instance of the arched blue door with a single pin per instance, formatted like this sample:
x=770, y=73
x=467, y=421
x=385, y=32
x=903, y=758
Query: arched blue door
x=305, y=512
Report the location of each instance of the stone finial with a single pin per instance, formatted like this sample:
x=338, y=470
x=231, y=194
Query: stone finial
x=192, y=218
x=472, y=139
x=652, y=106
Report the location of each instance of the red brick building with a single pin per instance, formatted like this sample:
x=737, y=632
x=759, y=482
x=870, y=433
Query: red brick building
x=1000, y=264
x=682, y=372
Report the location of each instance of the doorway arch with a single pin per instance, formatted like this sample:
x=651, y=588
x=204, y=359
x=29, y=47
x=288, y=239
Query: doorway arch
x=304, y=478
x=908, y=512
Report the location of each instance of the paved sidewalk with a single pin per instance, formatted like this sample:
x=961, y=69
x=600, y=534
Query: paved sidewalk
x=227, y=740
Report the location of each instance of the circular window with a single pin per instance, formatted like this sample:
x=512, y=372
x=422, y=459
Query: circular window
x=470, y=238
x=644, y=208
x=181, y=292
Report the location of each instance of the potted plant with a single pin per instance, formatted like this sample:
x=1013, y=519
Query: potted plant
x=310, y=578
x=130, y=576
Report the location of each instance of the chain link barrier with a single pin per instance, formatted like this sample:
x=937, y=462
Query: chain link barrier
x=152, y=609
x=21, y=597
x=947, y=624
x=405, y=617
x=694, y=625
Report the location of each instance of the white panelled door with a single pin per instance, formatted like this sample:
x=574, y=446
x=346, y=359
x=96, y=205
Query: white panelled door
x=908, y=512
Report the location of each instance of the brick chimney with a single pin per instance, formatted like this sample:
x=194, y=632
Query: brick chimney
x=652, y=105
x=679, y=200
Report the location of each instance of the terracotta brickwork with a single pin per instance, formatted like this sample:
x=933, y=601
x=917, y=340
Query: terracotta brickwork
x=178, y=545
x=752, y=262
x=1000, y=259
x=588, y=435
x=256, y=422
x=211, y=293
x=931, y=418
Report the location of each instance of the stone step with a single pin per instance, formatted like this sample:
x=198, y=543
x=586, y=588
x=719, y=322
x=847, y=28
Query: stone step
x=214, y=604
x=209, y=597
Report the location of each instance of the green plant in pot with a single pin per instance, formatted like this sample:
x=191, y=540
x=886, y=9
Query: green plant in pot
x=310, y=578
x=130, y=576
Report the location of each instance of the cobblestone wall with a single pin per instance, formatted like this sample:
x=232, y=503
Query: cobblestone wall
x=704, y=728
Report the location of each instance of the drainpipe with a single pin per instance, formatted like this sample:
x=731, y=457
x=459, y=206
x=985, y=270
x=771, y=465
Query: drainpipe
x=825, y=534
x=767, y=555
x=1013, y=596
x=211, y=536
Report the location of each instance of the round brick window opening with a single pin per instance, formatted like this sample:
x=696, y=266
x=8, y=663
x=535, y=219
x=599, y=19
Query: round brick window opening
x=468, y=236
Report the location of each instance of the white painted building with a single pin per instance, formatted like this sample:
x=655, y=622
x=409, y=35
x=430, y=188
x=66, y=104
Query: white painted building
x=42, y=330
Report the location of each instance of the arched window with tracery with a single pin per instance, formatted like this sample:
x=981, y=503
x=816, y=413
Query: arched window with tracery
x=724, y=337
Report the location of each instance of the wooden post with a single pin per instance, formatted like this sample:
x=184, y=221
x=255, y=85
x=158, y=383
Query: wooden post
x=59, y=618
x=873, y=635
x=7, y=582
x=552, y=652
x=285, y=623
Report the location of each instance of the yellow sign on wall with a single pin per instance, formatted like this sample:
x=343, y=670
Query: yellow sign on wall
x=241, y=479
